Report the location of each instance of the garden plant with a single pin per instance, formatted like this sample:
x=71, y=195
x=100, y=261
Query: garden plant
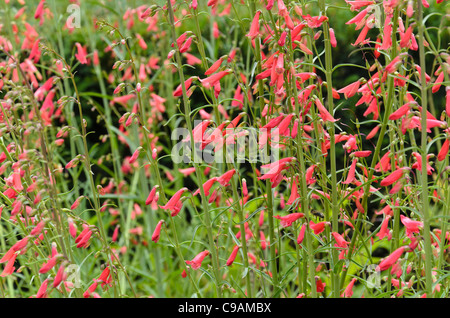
x=224, y=149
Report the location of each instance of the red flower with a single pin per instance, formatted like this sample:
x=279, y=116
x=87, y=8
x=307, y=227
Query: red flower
x=197, y=260
x=81, y=54
x=214, y=67
x=151, y=196
x=212, y=80
x=49, y=265
x=323, y=112
x=348, y=292
x=9, y=268
x=320, y=286
x=443, y=153
x=226, y=177
x=351, y=172
x=394, y=176
x=340, y=241
x=60, y=276
x=233, y=255
x=391, y=259
x=174, y=204
x=318, y=227
x=206, y=186
x=88, y=293
x=384, y=231
x=410, y=225
x=301, y=234
x=254, y=28
x=287, y=220
x=42, y=292
x=156, y=233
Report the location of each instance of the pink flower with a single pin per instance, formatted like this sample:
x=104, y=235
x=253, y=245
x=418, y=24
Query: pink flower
x=9, y=268
x=318, y=227
x=333, y=41
x=156, y=233
x=384, y=231
x=151, y=195
x=287, y=220
x=212, y=80
x=391, y=259
x=348, y=292
x=81, y=54
x=351, y=172
x=394, y=176
x=443, y=153
x=226, y=177
x=340, y=241
x=410, y=225
x=197, y=260
x=233, y=255
x=49, y=265
x=301, y=234
x=254, y=28
x=174, y=204
x=39, y=10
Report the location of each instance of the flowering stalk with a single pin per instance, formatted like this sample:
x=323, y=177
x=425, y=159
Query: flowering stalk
x=424, y=179
x=187, y=112
x=334, y=199
x=269, y=199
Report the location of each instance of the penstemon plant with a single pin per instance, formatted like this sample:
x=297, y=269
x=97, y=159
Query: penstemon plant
x=215, y=149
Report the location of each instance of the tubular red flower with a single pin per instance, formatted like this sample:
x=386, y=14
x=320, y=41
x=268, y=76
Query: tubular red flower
x=60, y=276
x=233, y=255
x=410, y=225
x=9, y=268
x=81, y=54
x=254, y=28
x=49, y=265
x=443, y=153
x=196, y=262
x=151, y=195
x=323, y=112
x=348, y=292
x=226, y=177
x=402, y=111
x=42, y=292
x=394, y=176
x=214, y=79
x=340, y=241
x=351, y=172
x=318, y=227
x=301, y=234
x=172, y=204
x=157, y=232
x=391, y=259
x=287, y=220
x=384, y=231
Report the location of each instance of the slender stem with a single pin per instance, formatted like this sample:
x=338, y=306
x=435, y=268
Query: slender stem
x=187, y=111
x=424, y=179
x=334, y=199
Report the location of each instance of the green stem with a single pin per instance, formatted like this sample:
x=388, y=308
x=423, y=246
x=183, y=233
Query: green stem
x=424, y=179
x=187, y=111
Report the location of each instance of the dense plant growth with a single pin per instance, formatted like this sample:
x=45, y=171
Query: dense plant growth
x=224, y=148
